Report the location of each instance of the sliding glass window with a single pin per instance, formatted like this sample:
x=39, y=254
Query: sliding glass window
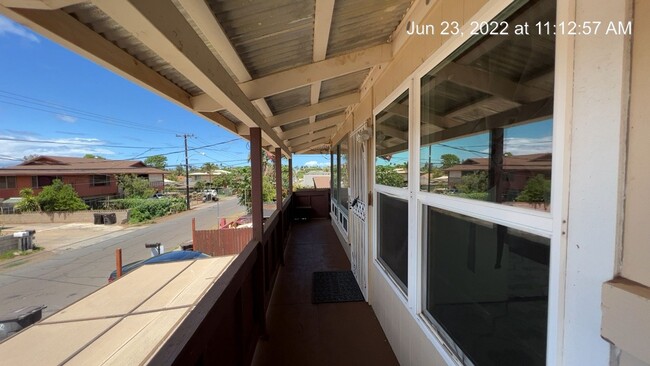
x=486, y=130
x=392, y=143
x=486, y=134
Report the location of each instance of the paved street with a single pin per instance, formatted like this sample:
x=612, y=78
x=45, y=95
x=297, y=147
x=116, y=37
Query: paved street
x=59, y=277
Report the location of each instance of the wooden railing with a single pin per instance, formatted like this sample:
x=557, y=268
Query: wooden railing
x=225, y=325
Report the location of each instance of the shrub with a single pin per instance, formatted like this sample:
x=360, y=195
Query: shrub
x=28, y=202
x=147, y=209
x=537, y=190
x=134, y=187
x=60, y=197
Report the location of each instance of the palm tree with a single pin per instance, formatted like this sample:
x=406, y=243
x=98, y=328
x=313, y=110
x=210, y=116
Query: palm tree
x=209, y=168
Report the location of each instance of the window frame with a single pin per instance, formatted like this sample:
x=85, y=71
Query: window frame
x=546, y=224
x=5, y=184
x=405, y=193
x=105, y=183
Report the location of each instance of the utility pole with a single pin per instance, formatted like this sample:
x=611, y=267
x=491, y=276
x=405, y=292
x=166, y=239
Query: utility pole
x=187, y=170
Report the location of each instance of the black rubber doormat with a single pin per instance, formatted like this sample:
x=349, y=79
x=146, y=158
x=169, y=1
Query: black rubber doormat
x=335, y=286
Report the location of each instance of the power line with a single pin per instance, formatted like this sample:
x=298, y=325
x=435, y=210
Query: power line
x=74, y=112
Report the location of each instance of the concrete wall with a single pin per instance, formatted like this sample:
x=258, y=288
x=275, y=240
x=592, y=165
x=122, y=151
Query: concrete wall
x=60, y=217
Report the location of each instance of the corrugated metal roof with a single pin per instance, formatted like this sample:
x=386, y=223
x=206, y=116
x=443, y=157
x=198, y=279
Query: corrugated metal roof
x=289, y=99
x=98, y=21
x=343, y=84
x=291, y=126
x=362, y=23
x=269, y=36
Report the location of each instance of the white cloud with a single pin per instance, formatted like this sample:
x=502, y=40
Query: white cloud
x=311, y=163
x=9, y=27
x=523, y=145
x=66, y=118
x=12, y=150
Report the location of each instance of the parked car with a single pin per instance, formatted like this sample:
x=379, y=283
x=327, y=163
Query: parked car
x=174, y=256
x=15, y=321
x=210, y=195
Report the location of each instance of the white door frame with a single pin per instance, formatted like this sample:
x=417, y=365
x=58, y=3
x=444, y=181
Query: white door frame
x=358, y=205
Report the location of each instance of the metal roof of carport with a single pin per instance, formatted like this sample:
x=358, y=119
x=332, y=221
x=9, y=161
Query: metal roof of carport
x=290, y=67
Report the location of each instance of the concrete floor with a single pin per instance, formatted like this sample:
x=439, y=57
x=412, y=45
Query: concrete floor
x=302, y=333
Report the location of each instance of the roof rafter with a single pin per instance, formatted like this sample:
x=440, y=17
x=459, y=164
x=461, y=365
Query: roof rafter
x=322, y=25
x=161, y=26
x=322, y=70
x=329, y=105
x=318, y=125
x=310, y=145
x=307, y=138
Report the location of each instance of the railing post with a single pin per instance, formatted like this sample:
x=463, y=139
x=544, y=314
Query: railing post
x=118, y=263
x=290, y=176
x=256, y=183
x=193, y=233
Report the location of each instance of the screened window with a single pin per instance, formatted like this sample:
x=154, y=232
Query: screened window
x=487, y=125
x=392, y=237
x=343, y=175
x=100, y=180
x=7, y=182
x=392, y=142
x=487, y=288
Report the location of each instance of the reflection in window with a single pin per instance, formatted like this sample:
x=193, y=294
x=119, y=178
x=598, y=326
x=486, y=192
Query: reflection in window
x=392, y=237
x=343, y=174
x=487, y=289
x=391, y=143
x=486, y=129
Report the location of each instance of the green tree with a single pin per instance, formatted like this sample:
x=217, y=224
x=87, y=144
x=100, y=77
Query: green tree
x=537, y=190
x=387, y=176
x=60, y=197
x=473, y=183
x=134, y=187
x=209, y=169
x=156, y=161
x=28, y=202
x=449, y=160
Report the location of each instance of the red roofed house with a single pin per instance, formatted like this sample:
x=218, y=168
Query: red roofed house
x=91, y=178
x=516, y=170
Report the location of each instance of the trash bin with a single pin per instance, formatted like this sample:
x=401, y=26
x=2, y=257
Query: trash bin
x=24, y=240
x=99, y=218
x=19, y=319
x=110, y=219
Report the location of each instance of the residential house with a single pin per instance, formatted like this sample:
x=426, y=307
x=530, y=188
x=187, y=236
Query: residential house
x=514, y=171
x=451, y=280
x=205, y=177
x=91, y=178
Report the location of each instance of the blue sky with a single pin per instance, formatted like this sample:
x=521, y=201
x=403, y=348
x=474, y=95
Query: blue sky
x=59, y=103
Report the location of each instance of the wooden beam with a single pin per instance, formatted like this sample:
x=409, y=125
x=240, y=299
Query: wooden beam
x=278, y=178
x=306, y=138
x=309, y=145
x=221, y=120
x=318, y=125
x=161, y=27
x=40, y=4
x=205, y=21
x=67, y=31
x=317, y=71
x=205, y=103
x=256, y=184
x=328, y=105
x=322, y=25
x=290, y=175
